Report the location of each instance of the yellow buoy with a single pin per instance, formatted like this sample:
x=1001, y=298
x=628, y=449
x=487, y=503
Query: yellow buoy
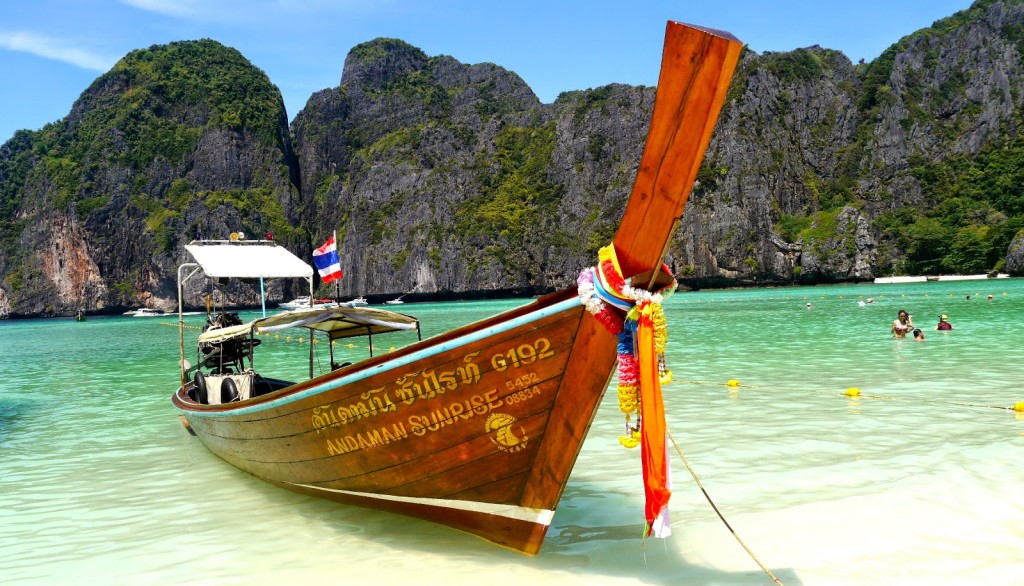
x=1019, y=406
x=853, y=392
x=733, y=383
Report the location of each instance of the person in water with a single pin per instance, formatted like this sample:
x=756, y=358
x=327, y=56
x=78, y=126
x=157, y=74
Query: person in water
x=918, y=335
x=902, y=325
x=943, y=323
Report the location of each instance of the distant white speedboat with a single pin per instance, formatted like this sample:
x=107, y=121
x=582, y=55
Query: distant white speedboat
x=357, y=302
x=303, y=303
x=147, y=312
x=395, y=301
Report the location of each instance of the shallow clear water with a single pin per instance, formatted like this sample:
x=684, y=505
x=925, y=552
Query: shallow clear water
x=919, y=480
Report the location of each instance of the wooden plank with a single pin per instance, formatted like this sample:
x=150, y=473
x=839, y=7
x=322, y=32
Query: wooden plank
x=590, y=367
x=696, y=68
x=520, y=535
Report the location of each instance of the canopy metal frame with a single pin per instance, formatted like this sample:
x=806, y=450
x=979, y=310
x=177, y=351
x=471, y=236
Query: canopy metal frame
x=262, y=259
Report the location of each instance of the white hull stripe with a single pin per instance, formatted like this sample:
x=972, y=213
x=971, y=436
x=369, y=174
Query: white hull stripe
x=398, y=362
x=537, y=516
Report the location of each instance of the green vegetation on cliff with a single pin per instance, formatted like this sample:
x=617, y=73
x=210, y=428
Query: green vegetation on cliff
x=976, y=209
x=517, y=198
x=142, y=148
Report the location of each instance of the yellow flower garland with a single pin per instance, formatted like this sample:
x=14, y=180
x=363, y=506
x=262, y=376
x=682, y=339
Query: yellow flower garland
x=604, y=291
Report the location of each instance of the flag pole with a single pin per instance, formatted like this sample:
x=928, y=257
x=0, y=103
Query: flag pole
x=337, y=284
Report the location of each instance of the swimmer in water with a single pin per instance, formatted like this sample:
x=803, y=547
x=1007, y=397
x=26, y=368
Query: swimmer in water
x=902, y=325
x=918, y=336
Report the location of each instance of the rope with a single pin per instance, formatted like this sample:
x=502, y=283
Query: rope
x=185, y=326
x=719, y=513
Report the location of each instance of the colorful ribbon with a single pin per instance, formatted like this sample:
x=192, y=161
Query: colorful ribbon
x=636, y=317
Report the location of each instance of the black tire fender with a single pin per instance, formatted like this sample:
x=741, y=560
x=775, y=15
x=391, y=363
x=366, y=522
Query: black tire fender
x=228, y=391
x=199, y=384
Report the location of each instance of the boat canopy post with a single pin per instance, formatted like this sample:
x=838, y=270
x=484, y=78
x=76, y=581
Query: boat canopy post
x=311, y=303
x=181, y=317
x=263, y=298
x=310, y=353
x=330, y=346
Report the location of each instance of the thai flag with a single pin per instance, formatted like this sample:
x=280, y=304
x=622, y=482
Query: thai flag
x=326, y=260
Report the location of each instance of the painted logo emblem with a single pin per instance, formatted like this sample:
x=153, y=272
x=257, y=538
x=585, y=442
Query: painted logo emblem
x=499, y=425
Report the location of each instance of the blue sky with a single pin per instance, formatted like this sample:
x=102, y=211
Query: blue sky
x=51, y=50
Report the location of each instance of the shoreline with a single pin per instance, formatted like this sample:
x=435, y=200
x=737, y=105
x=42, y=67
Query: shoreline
x=685, y=285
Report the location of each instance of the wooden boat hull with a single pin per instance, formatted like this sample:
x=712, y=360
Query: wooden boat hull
x=479, y=428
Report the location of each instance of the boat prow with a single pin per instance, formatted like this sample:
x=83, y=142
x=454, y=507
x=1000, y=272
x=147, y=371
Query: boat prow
x=479, y=428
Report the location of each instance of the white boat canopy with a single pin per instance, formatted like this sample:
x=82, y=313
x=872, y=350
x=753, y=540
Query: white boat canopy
x=248, y=259
x=243, y=259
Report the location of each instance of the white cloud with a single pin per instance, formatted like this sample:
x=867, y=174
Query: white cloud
x=235, y=11
x=170, y=7
x=56, y=49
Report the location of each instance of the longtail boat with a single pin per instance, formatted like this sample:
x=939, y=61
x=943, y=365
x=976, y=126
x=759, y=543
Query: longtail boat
x=477, y=428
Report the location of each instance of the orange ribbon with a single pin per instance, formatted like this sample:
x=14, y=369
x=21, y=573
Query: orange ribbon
x=652, y=412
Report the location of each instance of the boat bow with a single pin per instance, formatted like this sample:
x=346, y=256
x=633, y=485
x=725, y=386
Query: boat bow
x=479, y=428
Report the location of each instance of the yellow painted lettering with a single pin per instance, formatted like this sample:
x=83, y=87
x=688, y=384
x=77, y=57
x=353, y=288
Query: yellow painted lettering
x=417, y=426
x=544, y=349
x=493, y=402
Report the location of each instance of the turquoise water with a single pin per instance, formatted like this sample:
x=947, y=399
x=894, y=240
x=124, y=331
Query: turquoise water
x=917, y=481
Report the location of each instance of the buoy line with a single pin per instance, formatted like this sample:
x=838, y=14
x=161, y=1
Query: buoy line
x=719, y=513
x=853, y=393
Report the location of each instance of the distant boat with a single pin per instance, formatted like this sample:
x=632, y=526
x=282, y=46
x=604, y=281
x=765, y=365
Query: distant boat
x=973, y=277
x=357, y=302
x=303, y=303
x=395, y=301
x=931, y=278
x=477, y=428
x=147, y=312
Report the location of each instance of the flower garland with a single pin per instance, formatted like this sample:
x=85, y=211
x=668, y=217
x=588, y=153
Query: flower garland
x=616, y=304
x=636, y=318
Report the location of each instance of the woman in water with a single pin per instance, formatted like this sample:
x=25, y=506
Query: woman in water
x=902, y=324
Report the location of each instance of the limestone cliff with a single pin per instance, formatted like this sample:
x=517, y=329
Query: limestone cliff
x=176, y=141
x=450, y=179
